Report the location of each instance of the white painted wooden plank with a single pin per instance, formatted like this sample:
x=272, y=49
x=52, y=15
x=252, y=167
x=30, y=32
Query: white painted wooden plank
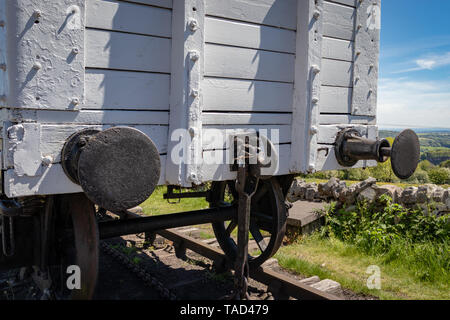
x=216, y=137
x=367, y=47
x=4, y=81
x=338, y=21
x=221, y=31
x=159, y=3
x=215, y=118
x=52, y=181
x=278, y=13
x=337, y=49
x=246, y=95
x=219, y=172
x=115, y=50
x=129, y=17
x=351, y=3
x=335, y=100
x=328, y=162
x=301, y=113
x=109, y=89
x=346, y=119
x=101, y=117
x=337, y=73
x=230, y=62
x=328, y=133
x=53, y=137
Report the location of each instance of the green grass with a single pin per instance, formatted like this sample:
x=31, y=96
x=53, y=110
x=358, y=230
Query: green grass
x=407, y=272
x=156, y=205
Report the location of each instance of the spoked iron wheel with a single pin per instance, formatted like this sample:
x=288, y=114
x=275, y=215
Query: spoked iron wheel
x=77, y=244
x=267, y=219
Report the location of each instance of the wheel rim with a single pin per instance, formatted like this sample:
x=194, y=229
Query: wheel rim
x=75, y=213
x=267, y=219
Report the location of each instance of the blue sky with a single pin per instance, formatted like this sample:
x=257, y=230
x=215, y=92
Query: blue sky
x=414, y=84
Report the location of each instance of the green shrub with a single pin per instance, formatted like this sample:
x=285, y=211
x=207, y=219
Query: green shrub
x=425, y=165
x=445, y=164
x=439, y=175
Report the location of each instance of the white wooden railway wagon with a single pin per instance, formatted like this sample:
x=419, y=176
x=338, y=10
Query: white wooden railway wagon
x=96, y=95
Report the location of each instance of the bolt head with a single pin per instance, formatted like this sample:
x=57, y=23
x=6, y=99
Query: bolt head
x=315, y=69
x=194, y=55
x=193, y=25
x=314, y=130
x=192, y=131
x=316, y=14
x=37, y=13
x=311, y=168
x=37, y=66
x=194, y=93
x=315, y=100
x=47, y=161
x=75, y=50
x=75, y=101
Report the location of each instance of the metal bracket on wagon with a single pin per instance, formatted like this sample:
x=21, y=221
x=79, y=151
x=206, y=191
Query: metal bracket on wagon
x=257, y=149
x=117, y=168
x=350, y=147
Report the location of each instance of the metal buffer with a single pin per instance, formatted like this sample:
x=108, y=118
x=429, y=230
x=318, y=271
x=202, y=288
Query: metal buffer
x=350, y=147
x=117, y=169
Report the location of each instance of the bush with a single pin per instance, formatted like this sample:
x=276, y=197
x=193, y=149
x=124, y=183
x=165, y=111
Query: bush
x=445, y=164
x=374, y=230
x=439, y=175
x=425, y=165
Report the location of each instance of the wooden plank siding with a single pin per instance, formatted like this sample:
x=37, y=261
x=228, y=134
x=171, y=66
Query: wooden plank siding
x=337, y=58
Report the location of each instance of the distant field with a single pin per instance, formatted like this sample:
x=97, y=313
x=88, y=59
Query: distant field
x=434, y=146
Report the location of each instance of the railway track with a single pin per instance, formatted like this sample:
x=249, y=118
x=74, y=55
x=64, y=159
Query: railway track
x=265, y=283
x=175, y=267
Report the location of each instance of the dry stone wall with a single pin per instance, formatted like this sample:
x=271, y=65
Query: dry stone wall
x=427, y=197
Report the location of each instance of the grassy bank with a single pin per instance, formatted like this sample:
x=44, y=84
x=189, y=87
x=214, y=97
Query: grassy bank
x=404, y=269
x=410, y=268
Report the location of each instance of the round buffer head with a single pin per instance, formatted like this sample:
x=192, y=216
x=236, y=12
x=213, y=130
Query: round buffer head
x=405, y=154
x=119, y=168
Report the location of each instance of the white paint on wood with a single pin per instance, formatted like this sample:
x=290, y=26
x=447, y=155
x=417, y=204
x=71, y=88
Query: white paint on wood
x=109, y=89
x=222, y=31
x=221, y=170
x=128, y=17
x=113, y=50
x=158, y=3
x=328, y=133
x=346, y=119
x=337, y=49
x=24, y=144
x=113, y=117
x=351, y=3
x=4, y=88
x=231, y=62
x=215, y=118
x=42, y=69
x=53, y=138
x=185, y=42
x=308, y=70
x=335, y=100
x=338, y=21
x=52, y=181
x=367, y=47
x=337, y=73
x=246, y=95
x=216, y=137
x=278, y=13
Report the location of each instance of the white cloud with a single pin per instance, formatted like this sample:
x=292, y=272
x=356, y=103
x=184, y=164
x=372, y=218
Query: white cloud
x=406, y=103
x=429, y=62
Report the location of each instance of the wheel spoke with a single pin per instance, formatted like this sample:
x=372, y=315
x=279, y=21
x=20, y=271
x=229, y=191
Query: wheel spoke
x=260, y=193
x=254, y=230
x=231, y=227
